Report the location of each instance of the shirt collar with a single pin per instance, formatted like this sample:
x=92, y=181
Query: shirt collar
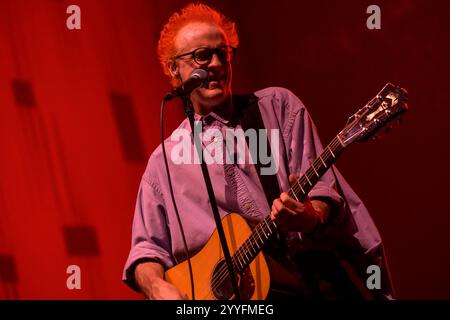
x=210, y=118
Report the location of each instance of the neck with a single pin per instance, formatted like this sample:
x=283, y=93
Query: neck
x=224, y=109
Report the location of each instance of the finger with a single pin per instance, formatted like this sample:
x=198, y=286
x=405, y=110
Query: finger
x=274, y=212
x=277, y=210
x=285, y=198
x=280, y=211
x=278, y=205
x=290, y=202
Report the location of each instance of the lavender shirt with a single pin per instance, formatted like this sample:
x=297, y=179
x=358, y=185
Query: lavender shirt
x=156, y=233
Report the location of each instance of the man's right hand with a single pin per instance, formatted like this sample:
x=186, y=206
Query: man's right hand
x=163, y=290
x=149, y=276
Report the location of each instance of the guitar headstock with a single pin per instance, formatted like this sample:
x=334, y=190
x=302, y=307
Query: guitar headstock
x=387, y=105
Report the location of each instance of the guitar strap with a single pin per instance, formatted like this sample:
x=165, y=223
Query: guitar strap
x=250, y=118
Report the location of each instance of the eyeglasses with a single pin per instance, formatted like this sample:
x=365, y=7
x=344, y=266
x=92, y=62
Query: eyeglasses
x=203, y=55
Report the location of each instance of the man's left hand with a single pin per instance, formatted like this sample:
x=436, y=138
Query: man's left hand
x=292, y=215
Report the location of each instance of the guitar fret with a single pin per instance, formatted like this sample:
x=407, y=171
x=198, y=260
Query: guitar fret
x=254, y=242
x=300, y=185
x=267, y=234
x=331, y=152
x=257, y=232
x=240, y=263
x=340, y=141
x=295, y=196
x=269, y=223
x=250, y=248
x=245, y=252
x=253, y=247
x=306, y=175
x=235, y=260
x=323, y=161
x=317, y=174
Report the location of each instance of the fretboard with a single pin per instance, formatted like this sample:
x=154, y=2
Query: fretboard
x=265, y=230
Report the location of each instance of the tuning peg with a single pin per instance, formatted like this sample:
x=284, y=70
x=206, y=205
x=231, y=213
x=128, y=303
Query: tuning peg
x=350, y=119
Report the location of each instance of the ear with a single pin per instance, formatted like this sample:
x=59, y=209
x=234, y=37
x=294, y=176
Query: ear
x=173, y=68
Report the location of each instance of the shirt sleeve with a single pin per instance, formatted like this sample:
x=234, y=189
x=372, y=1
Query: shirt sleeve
x=150, y=234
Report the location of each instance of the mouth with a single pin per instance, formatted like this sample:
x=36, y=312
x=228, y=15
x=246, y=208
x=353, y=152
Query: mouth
x=216, y=82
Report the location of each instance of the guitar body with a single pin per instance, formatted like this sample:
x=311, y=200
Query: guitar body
x=254, y=283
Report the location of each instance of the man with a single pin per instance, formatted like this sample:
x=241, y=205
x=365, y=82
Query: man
x=331, y=223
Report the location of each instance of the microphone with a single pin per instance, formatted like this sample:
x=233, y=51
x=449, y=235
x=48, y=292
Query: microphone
x=198, y=77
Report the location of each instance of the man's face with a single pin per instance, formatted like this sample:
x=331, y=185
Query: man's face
x=202, y=35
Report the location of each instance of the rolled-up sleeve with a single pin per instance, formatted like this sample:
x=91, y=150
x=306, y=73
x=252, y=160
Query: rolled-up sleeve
x=150, y=234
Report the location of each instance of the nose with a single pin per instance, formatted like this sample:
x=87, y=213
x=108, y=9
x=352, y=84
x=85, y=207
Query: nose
x=215, y=61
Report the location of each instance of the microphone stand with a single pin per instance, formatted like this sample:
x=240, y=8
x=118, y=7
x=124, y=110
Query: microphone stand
x=189, y=111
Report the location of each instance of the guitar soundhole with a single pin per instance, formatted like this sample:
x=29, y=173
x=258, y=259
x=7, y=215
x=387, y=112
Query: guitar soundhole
x=221, y=283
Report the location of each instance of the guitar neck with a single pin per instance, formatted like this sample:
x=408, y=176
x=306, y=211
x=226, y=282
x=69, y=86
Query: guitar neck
x=264, y=231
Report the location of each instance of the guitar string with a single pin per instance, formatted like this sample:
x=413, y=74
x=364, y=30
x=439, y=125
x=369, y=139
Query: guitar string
x=326, y=155
x=222, y=273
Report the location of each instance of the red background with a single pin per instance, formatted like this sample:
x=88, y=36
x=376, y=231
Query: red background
x=79, y=116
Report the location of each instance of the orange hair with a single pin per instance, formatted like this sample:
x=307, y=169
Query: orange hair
x=194, y=12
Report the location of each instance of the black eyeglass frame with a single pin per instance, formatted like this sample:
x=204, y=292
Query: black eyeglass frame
x=214, y=51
